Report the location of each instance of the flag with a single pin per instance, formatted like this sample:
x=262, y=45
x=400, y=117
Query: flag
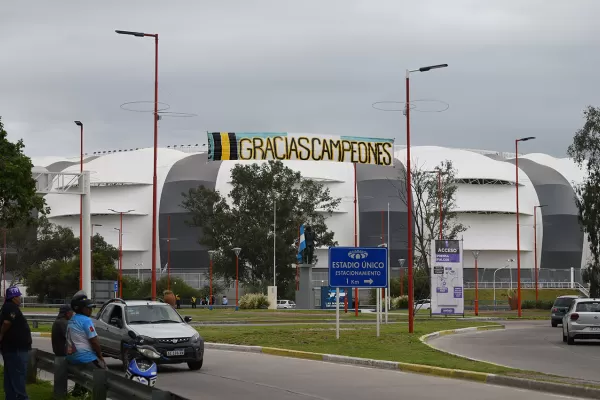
x=163, y=270
x=302, y=244
x=222, y=146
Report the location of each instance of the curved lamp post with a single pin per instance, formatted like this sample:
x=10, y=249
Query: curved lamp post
x=237, y=251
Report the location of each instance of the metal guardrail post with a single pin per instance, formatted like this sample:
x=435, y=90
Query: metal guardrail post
x=32, y=366
x=61, y=378
x=99, y=390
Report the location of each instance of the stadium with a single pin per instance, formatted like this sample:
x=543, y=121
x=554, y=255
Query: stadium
x=485, y=203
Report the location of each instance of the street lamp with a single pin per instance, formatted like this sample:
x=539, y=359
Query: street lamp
x=476, y=256
x=120, y=229
x=80, y=125
x=409, y=195
x=237, y=251
x=535, y=247
x=211, y=254
x=154, y=178
x=525, y=139
x=92, y=250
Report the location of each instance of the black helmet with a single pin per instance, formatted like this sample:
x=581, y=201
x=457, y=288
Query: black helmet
x=81, y=301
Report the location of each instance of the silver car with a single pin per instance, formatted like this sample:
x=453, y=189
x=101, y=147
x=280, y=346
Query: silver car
x=582, y=320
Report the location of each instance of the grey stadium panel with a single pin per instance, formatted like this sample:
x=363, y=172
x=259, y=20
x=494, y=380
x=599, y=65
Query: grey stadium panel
x=562, y=240
x=376, y=187
x=186, y=252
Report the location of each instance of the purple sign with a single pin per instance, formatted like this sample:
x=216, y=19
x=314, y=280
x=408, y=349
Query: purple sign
x=458, y=292
x=447, y=251
x=441, y=290
x=447, y=310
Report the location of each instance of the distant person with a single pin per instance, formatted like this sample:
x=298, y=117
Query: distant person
x=15, y=343
x=178, y=301
x=193, y=302
x=225, y=301
x=212, y=300
x=59, y=330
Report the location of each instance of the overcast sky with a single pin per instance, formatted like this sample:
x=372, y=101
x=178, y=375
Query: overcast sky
x=516, y=68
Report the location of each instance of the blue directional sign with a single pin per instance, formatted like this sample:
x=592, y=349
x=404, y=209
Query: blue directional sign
x=359, y=267
x=116, y=283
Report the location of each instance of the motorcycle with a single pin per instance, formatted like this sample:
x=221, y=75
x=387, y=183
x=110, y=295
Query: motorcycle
x=141, y=367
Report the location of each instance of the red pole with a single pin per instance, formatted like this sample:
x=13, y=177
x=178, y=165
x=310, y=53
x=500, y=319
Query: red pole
x=355, y=242
x=121, y=256
x=476, y=289
x=210, y=303
x=535, y=250
x=92, y=253
x=169, y=252
x=237, y=276
x=440, y=197
x=401, y=282
x=382, y=242
x=411, y=301
x=297, y=271
x=81, y=211
x=154, y=179
x=518, y=230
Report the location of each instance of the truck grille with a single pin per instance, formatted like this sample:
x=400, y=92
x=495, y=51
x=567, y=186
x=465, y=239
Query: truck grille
x=174, y=340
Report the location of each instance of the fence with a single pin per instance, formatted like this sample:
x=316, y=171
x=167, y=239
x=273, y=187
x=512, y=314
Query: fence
x=103, y=384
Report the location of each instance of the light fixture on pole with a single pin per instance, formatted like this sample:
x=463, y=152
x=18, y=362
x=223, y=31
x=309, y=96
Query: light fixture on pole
x=519, y=313
x=211, y=254
x=411, y=320
x=535, y=266
x=80, y=125
x=92, y=250
x=237, y=251
x=154, y=175
x=476, y=256
x=120, y=247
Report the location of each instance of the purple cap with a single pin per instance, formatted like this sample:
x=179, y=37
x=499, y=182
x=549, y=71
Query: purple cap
x=13, y=292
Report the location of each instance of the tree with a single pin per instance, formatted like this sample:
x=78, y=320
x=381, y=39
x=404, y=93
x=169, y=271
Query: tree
x=134, y=288
x=585, y=151
x=426, y=208
x=18, y=198
x=245, y=219
x=52, y=267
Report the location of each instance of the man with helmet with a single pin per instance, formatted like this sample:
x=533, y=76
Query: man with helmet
x=83, y=347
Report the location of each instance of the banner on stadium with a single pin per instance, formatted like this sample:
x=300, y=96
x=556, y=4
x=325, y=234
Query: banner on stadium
x=297, y=146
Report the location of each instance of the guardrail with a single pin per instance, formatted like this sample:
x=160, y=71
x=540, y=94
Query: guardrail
x=103, y=384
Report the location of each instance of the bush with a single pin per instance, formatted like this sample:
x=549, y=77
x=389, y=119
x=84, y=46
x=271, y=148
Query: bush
x=400, y=302
x=253, y=301
x=538, y=305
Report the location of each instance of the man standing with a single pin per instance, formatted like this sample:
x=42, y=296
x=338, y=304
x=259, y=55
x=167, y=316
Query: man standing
x=59, y=330
x=82, y=345
x=15, y=343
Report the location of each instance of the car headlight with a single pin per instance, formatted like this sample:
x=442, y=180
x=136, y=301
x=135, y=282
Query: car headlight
x=196, y=338
x=145, y=340
x=149, y=353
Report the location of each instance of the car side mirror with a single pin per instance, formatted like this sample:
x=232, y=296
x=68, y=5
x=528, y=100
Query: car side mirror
x=131, y=334
x=116, y=322
x=187, y=319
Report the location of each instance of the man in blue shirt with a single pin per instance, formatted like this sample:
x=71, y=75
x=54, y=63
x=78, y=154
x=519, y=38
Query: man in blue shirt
x=83, y=347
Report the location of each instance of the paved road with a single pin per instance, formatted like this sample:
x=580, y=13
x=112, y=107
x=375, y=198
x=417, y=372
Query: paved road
x=529, y=345
x=229, y=375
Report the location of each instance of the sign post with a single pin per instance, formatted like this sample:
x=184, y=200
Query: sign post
x=447, y=294
x=116, y=287
x=359, y=267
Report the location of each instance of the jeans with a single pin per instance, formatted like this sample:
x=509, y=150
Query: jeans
x=15, y=374
x=78, y=390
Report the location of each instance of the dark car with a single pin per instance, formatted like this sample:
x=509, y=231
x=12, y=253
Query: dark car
x=559, y=309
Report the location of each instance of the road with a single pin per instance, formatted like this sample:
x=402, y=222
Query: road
x=529, y=345
x=229, y=375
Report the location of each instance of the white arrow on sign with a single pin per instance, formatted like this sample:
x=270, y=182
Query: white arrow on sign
x=370, y=281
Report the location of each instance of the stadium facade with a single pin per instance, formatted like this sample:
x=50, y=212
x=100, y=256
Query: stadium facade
x=485, y=203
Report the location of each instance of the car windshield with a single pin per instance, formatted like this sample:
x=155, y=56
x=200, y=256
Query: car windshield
x=588, y=306
x=151, y=314
x=563, y=302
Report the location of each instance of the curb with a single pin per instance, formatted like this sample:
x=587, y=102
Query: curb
x=481, y=377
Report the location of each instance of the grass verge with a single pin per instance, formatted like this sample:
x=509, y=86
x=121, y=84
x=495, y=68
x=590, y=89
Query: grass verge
x=42, y=390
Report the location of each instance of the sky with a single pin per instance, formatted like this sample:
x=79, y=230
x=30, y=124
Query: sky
x=516, y=68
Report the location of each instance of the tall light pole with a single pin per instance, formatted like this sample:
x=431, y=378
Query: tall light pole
x=154, y=179
x=274, y=241
x=519, y=313
x=411, y=318
x=92, y=250
x=237, y=251
x=210, y=269
x=535, y=247
x=4, y=263
x=80, y=125
x=476, y=256
x=120, y=229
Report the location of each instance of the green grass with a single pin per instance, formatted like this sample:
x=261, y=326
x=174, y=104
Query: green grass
x=42, y=390
x=394, y=344
x=487, y=295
